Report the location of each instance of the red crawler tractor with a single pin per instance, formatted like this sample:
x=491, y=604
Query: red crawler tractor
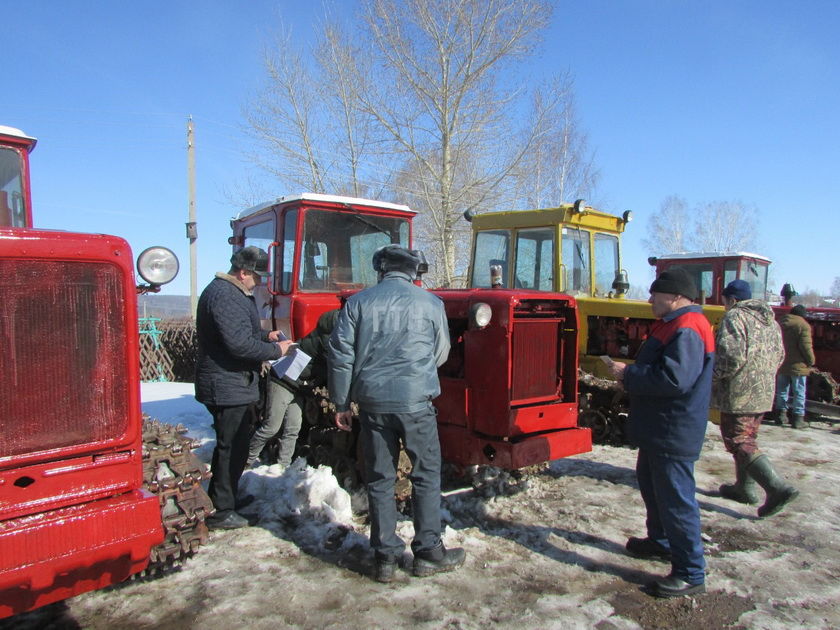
x=509, y=387
x=90, y=493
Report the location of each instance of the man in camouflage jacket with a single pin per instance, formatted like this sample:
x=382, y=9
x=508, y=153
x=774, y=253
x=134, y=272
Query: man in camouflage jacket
x=749, y=351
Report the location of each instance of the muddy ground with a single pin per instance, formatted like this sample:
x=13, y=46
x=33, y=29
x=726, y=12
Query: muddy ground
x=546, y=551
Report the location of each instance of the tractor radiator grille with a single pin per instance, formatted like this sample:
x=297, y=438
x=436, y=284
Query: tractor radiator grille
x=63, y=355
x=534, y=352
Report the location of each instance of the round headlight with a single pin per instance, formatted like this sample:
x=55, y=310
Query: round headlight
x=157, y=265
x=480, y=314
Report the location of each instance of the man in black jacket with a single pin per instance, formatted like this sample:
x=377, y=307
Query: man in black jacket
x=231, y=349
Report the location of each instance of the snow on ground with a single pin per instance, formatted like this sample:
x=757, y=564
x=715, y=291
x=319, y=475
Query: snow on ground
x=546, y=551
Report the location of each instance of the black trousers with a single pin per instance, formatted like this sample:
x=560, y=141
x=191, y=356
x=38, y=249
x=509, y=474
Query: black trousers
x=232, y=426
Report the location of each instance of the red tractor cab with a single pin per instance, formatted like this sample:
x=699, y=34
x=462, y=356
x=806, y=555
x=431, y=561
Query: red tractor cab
x=509, y=395
x=713, y=271
x=15, y=196
x=75, y=511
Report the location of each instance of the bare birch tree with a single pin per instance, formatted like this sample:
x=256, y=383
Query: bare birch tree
x=669, y=228
x=437, y=94
x=559, y=166
x=718, y=226
x=419, y=104
x=310, y=130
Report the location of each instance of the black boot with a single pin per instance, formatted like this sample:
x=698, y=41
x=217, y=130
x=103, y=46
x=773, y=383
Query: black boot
x=774, y=416
x=743, y=490
x=385, y=568
x=779, y=494
x=438, y=560
x=798, y=422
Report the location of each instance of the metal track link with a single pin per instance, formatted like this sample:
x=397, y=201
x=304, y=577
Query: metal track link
x=173, y=473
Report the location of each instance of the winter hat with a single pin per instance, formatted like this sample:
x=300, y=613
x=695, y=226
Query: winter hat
x=395, y=258
x=738, y=289
x=799, y=309
x=677, y=281
x=252, y=259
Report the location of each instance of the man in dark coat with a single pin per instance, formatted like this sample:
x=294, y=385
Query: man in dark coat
x=383, y=354
x=231, y=349
x=793, y=374
x=669, y=387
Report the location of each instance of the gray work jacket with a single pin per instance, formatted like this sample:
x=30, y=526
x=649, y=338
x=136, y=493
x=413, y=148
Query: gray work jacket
x=386, y=347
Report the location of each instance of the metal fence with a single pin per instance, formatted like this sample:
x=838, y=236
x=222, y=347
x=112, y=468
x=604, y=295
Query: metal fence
x=167, y=349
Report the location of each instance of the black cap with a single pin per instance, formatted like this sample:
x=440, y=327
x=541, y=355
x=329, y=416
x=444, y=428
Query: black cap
x=396, y=258
x=251, y=258
x=677, y=281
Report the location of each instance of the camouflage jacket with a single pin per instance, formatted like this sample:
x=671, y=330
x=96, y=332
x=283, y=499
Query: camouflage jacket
x=749, y=351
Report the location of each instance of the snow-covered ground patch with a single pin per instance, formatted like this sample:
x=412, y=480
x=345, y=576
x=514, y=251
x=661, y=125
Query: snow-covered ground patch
x=543, y=552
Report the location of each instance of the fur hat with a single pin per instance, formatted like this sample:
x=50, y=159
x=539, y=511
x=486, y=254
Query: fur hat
x=738, y=289
x=677, y=281
x=799, y=309
x=395, y=258
x=252, y=259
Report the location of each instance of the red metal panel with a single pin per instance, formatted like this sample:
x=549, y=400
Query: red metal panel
x=68, y=346
x=55, y=555
x=535, y=361
x=460, y=446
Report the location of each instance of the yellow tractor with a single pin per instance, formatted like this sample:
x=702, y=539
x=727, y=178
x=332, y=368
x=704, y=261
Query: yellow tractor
x=573, y=249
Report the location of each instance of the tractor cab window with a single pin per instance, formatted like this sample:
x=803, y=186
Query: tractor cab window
x=703, y=275
x=492, y=248
x=535, y=259
x=606, y=262
x=574, y=248
x=289, y=250
x=262, y=235
x=337, y=248
x=730, y=271
x=755, y=273
x=12, y=208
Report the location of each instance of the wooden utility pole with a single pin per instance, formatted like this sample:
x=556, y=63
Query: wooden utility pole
x=192, y=227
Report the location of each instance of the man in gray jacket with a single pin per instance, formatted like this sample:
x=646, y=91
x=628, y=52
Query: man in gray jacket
x=383, y=354
x=749, y=350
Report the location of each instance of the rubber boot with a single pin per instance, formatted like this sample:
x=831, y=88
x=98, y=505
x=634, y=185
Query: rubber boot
x=743, y=490
x=774, y=416
x=779, y=494
x=798, y=422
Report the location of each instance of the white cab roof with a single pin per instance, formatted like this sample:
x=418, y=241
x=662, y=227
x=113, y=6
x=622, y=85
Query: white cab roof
x=712, y=255
x=325, y=198
x=17, y=133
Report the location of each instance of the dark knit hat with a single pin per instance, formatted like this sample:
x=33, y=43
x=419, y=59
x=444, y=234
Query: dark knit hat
x=738, y=289
x=799, y=309
x=251, y=258
x=395, y=258
x=677, y=281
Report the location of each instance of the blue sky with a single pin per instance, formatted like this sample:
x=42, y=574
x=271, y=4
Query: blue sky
x=713, y=100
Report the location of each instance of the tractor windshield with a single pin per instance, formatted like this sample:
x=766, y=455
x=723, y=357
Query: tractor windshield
x=338, y=247
x=12, y=206
x=755, y=273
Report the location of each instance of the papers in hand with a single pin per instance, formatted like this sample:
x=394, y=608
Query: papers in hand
x=291, y=365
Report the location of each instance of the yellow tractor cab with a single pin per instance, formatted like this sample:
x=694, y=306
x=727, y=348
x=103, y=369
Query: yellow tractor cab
x=573, y=249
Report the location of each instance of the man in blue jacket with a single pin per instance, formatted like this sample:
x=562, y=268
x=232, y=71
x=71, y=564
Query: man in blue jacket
x=383, y=354
x=231, y=349
x=669, y=387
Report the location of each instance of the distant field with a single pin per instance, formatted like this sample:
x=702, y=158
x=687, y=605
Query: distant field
x=163, y=306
